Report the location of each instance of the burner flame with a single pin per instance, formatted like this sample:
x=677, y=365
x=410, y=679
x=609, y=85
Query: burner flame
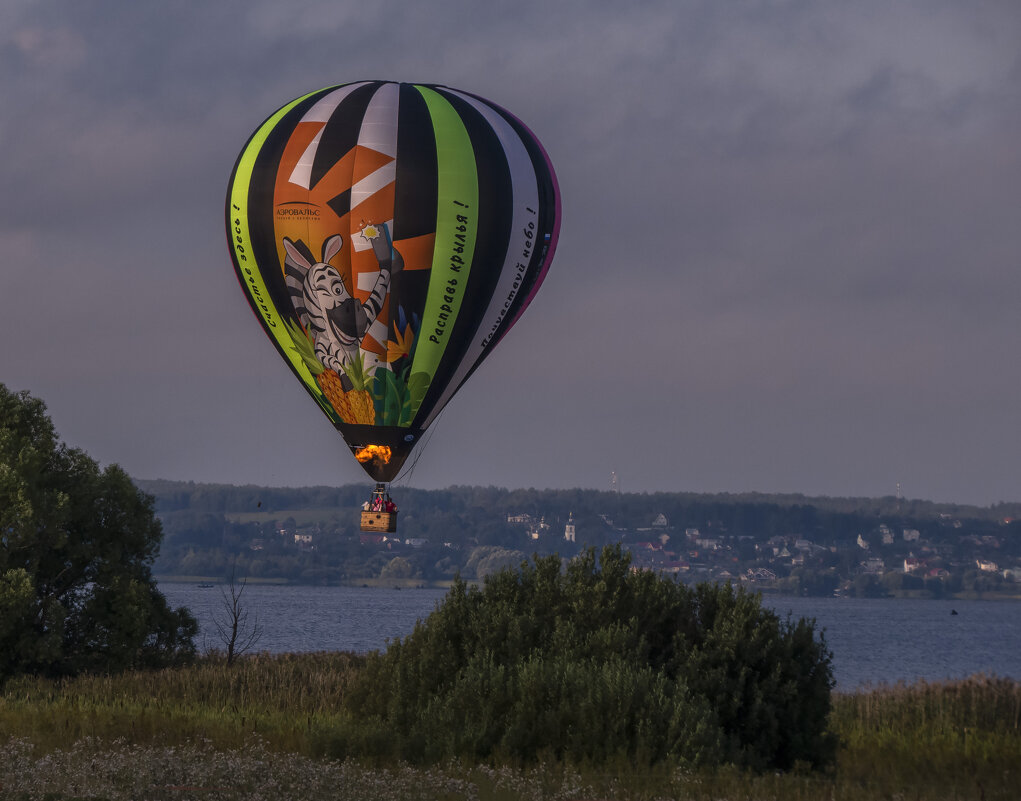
x=373, y=452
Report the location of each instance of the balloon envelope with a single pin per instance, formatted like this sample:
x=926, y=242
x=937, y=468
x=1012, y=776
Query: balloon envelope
x=387, y=236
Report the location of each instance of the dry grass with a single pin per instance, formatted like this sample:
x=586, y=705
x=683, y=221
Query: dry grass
x=976, y=704
x=283, y=699
x=253, y=731
x=958, y=739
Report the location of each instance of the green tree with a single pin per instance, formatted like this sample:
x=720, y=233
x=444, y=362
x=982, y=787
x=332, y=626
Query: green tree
x=76, y=548
x=867, y=585
x=893, y=582
x=598, y=662
x=487, y=559
x=397, y=568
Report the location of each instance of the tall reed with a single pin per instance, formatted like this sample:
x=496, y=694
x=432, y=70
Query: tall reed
x=282, y=698
x=948, y=740
x=951, y=737
x=976, y=704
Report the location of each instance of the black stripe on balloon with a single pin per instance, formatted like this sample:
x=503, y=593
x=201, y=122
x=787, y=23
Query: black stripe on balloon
x=545, y=222
x=494, y=212
x=340, y=135
x=260, y=205
x=415, y=188
x=263, y=257
x=341, y=204
x=416, y=185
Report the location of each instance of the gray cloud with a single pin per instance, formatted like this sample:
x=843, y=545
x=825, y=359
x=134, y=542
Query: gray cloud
x=788, y=260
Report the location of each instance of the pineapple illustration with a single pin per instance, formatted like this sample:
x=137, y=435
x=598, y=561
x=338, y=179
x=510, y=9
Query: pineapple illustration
x=359, y=397
x=353, y=405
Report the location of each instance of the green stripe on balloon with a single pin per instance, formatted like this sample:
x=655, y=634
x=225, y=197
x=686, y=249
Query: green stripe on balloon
x=456, y=232
x=249, y=272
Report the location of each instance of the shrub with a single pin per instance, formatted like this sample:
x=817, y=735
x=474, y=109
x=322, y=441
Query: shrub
x=599, y=662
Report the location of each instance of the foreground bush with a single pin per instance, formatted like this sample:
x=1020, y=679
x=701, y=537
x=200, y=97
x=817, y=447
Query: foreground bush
x=599, y=663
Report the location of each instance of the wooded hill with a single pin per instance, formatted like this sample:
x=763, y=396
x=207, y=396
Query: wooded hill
x=310, y=534
x=174, y=496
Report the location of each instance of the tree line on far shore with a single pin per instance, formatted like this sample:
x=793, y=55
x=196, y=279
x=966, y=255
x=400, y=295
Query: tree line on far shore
x=310, y=535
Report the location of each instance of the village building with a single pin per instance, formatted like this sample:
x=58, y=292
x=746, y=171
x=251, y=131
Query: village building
x=759, y=574
x=873, y=565
x=537, y=529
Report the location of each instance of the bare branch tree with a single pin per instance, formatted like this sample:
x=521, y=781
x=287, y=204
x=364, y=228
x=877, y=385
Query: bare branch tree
x=237, y=634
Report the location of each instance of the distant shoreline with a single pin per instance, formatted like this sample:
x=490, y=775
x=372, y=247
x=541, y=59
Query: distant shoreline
x=445, y=584
x=371, y=583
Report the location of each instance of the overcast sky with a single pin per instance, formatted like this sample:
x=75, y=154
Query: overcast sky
x=789, y=259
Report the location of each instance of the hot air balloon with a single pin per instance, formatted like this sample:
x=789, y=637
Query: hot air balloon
x=387, y=236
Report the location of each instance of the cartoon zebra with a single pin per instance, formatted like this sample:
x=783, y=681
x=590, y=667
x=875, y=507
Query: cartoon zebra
x=336, y=321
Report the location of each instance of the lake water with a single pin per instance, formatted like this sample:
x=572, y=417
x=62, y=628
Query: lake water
x=873, y=641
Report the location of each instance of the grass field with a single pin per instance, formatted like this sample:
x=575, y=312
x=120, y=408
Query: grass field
x=259, y=729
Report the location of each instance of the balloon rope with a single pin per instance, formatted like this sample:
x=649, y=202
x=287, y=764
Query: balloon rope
x=407, y=471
